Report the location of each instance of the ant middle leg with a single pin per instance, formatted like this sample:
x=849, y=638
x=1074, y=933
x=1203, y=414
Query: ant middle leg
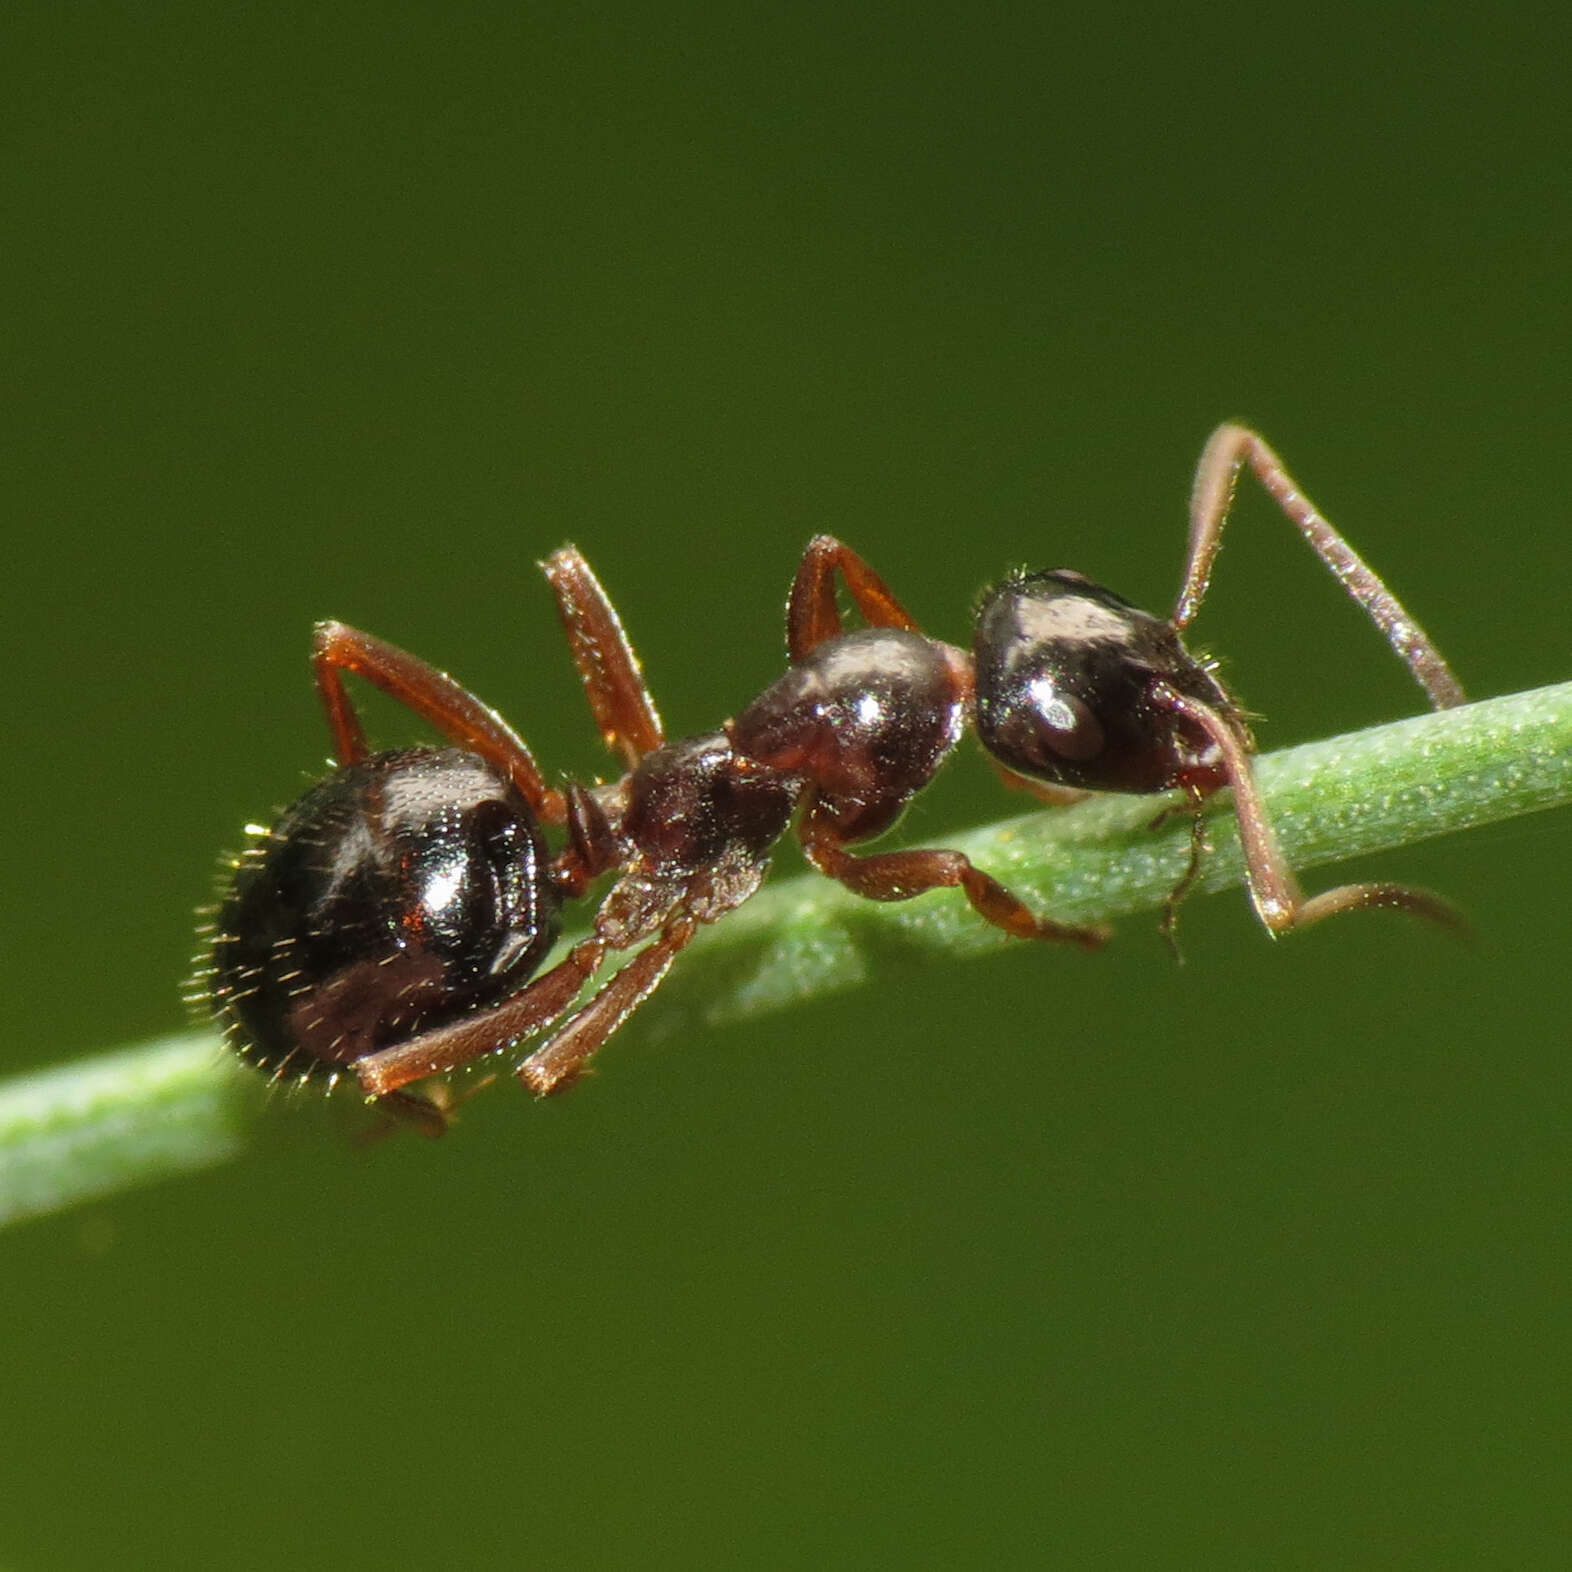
x=560, y=1060
x=1227, y=450
x=811, y=613
x=613, y=679
x=900, y=875
x=431, y=694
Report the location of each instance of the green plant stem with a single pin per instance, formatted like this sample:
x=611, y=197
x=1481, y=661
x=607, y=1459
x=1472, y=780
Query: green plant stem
x=120, y=1119
x=179, y=1104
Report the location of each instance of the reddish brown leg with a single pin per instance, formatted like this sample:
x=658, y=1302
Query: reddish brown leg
x=559, y=1061
x=1050, y=793
x=1169, y=926
x=425, y=1115
x=811, y=613
x=900, y=875
x=486, y=1031
x=432, y=695
x=1227, y=450
x=428, y=1113
x=561, y=1058
x=1275, y=893
x=610, y=671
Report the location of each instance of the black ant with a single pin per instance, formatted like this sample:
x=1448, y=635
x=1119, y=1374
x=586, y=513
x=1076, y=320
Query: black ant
x=392, y=921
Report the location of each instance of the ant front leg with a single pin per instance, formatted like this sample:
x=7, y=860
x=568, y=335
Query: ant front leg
x=613, y=680
x=1226, y=451
x=432, y=695
x=811, y=613
x=900, y=875
x=1275, y=892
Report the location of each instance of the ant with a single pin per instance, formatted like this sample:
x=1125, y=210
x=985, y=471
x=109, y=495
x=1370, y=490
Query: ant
x=391, y=923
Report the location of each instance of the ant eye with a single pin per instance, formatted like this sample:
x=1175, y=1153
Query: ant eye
x=1065, y=725
x=1037, y=727
x=1045, y=645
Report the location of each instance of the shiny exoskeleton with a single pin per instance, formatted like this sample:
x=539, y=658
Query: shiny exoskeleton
x=1065, y=671
x=392, y=922
x=398, y=893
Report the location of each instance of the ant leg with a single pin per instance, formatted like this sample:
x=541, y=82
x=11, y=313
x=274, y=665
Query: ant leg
x=486, y=1031
x=430, y=1113
x=899, y=875
x=551, y=995
x=1275, y=892
x=432, y=695
x=1226, y=451
x=613, y=679
x=1050, y=793
x=1168, y=927
x=559, y=1061
x=811, y=612
x=427, y=1116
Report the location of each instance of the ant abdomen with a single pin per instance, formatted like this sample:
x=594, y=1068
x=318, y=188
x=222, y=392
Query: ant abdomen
x=866, y=718
x=397, y=894
x=1066, y=672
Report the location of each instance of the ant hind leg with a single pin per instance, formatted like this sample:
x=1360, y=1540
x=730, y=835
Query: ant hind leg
x=434, y=696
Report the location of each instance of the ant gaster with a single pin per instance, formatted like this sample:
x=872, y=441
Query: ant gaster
x=392, y=921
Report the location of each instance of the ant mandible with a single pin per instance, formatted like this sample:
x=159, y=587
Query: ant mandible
x=391, y=922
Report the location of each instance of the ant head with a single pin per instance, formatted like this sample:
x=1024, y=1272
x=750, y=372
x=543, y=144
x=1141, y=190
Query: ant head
x=1065, y=677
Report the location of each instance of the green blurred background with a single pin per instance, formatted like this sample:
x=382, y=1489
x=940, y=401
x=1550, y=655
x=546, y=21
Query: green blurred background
x=1043, y=1260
